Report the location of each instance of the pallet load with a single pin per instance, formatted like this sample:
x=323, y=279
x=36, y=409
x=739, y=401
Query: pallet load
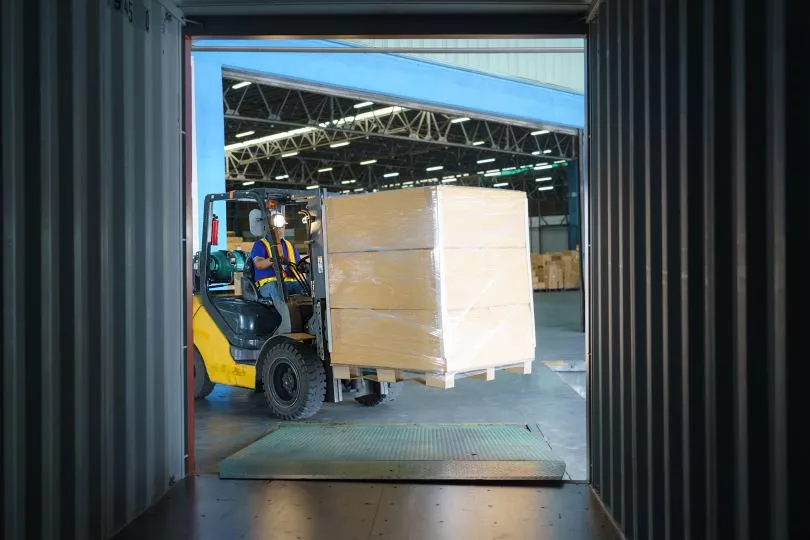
x=555, y=271
x=430, y=282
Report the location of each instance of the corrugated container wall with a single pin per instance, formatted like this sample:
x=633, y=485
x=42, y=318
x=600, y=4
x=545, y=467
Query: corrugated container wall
x=92, y=293
x=564, y=70
x=698, y=116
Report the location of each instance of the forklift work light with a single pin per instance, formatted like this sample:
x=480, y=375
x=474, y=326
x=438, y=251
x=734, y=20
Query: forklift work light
x=278, y=221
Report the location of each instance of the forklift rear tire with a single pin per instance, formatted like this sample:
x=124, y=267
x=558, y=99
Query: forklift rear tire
x=294, y=381
x=372, y=400
x=202, y=383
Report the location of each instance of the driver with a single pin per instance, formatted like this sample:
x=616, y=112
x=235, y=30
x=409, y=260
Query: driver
x=265, y=273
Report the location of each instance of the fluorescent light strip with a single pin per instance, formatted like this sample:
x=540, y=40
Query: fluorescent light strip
x=536, y=153
x=543, y=167
x=348, y=182
x=358, y=190
x=244, y=134
x=500, y=184
x=363, y=105
x=314, y=186
x=545, y=188
x=282, y=177
x=493, y=170
x=339, y=144
x=560, y=161
x=459, y=120
x=488, y=160
x=544, y=179
x=327, y=169
x=449, y=180
x=379, y=113
x=390, y=175
x=410, y=183
x=369, y=162
x=242, y=84
x=478, y=143
x=547, y=151
x=493, y=174
x=248, y=183
x=436, y=168
x=509, y=168
x=540, y=132
x=289, y=154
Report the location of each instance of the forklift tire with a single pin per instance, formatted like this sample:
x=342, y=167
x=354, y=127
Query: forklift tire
x=202, y=383
x=372, y=400
x=294, y=381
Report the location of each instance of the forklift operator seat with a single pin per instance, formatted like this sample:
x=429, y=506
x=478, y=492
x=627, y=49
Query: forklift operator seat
x=258, y=228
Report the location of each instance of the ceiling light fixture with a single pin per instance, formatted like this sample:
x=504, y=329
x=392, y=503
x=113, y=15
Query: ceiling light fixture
x=543, y=167
x=314, y=186
x=326, y=169
x=509, y=168
x=560, y=161
x=544, y=179
x=547, y=151
x=244, y=134
x=449, y=180
x=545, y=188
x=488, y=160
x=339, y=144
x=289, y=154
x=536, y=153
x=358, y=190
x=436, y=168
x=493, y=174
x=364, y=104
x=478, y=143
x=500, y=184
x=368, y=162
x=390, y=175
x=348, y=182
x=379, y=113
x=248, y=183
x=459, y=120
x=282, y=177
x=242, y=84
x=540, y=132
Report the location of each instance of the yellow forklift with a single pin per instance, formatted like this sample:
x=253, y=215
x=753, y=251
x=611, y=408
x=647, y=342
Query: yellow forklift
x=247, y=341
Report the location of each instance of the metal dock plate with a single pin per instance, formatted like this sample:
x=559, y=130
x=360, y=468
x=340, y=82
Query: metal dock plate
x=487, y=452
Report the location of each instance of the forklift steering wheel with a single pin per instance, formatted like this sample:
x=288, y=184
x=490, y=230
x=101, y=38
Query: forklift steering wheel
x=303, y=265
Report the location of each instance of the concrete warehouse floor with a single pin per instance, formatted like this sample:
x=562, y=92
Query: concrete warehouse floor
x=232, y=418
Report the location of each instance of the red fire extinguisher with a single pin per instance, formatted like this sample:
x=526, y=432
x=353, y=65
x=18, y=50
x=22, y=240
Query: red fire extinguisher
x=214, y=230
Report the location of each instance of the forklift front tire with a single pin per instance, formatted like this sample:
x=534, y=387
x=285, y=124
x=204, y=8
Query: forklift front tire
x=294, y=381
x=202, y=383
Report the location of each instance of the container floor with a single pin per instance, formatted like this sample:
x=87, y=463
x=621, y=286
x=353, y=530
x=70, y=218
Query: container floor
x=231, y=418
x=205, y=507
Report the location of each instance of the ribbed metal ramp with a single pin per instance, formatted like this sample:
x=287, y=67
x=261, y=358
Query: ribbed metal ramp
x=469, y=452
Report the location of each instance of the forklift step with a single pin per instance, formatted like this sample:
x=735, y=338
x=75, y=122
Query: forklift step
x=465, y=452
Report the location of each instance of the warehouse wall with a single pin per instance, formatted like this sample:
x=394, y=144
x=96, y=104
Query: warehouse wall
x=696, y=120
x=565, y=70
x=92, y=292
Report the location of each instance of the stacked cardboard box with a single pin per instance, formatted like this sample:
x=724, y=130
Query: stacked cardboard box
x=555, y=271
x=432, y=279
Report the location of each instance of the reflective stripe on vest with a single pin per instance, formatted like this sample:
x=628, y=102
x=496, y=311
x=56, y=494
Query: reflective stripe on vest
x=290, y=256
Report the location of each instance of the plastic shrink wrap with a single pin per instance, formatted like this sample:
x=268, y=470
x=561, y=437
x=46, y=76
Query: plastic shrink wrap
x=432, y=279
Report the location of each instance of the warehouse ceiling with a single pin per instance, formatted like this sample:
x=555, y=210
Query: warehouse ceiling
x=288, y=137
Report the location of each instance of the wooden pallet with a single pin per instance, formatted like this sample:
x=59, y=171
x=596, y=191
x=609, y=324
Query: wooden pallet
x=434, y=380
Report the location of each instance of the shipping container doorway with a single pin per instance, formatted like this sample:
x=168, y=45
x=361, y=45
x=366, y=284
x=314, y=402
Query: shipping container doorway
x=270, y=127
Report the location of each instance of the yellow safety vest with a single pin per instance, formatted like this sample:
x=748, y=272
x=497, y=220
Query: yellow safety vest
x=290, y=274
